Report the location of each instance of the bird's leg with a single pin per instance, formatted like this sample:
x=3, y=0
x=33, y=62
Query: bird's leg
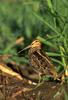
x=39, y=82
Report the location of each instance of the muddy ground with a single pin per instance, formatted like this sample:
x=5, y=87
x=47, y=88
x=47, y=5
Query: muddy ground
x=12, y=88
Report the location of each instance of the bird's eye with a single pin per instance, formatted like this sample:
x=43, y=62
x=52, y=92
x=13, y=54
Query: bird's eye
x=36, y=41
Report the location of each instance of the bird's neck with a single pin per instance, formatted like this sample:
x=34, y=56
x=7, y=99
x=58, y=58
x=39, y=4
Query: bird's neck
x=32, y=50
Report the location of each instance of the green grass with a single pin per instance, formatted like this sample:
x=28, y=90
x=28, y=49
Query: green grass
x=46, y=20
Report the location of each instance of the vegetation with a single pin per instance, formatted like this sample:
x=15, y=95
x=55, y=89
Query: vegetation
x=22, y=21
x=42, y=19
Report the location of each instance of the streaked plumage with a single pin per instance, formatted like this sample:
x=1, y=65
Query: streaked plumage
x=40, y=62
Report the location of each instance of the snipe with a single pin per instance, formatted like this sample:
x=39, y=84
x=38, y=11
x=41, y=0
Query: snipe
x=40, y=62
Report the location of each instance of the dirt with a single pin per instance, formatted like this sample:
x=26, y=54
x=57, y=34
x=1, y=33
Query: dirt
x=12, y=88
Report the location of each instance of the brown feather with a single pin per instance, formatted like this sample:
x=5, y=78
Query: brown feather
x=40, y=62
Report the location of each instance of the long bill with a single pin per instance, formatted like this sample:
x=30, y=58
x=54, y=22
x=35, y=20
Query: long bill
x=25, y=48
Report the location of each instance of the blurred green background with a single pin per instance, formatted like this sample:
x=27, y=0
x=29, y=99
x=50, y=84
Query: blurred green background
x=22, y=21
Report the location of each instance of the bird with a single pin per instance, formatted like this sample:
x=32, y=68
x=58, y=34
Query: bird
x=40, y=61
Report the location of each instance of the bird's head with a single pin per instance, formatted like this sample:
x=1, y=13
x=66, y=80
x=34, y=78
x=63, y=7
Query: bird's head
x=35, y=45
